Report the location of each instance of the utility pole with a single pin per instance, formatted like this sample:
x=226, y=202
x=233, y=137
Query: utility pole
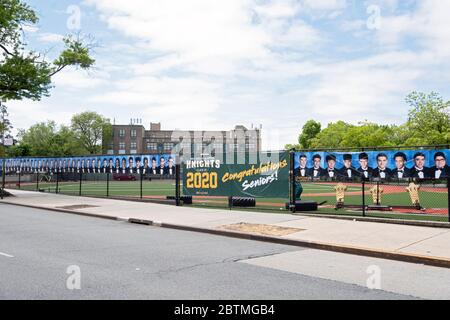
x=3, y=150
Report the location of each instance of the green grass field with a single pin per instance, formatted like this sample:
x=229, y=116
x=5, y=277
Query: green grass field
x=431, y=197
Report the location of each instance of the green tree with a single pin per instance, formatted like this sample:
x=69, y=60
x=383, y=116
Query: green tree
x=19, y=150
x=26, y=73
x=428, y=120
x=368, y=134
x=310, y=130
x=5, y=126
x=92, y=130
x=45, y=139
x=332, y=136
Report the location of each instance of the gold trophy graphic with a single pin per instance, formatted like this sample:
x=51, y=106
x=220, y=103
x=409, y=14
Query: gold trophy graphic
x=376, y=193
x=413, y=190
x=340, y=195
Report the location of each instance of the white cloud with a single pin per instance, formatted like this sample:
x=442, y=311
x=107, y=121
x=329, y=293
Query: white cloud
x=325, y=5
x=428, y=25
x=71, y=79
x=50, y=37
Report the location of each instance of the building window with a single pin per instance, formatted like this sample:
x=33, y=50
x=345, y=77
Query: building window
x=151, y=146
x=134, y=145
x=122, y=145
x=168, y=146
x=133, y=133
x=122, y=133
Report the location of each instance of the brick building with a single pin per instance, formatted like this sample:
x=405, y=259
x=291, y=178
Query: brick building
x=135, y=139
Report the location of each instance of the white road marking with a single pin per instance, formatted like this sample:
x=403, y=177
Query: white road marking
x=6, y=255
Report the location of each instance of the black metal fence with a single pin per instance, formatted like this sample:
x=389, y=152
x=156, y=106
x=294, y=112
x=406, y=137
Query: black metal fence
x=409, y=198
x=145, y=187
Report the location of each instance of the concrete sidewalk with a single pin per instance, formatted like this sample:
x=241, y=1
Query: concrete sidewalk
x=416, y=244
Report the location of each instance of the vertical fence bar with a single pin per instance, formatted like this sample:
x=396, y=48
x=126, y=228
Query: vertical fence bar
x=3, y=176
x=363, y=182
x=448, y=198
x=292, y=199
x=177, y=185
x=57, y=182
x=37, y=181
x=20, y=173
x=107, y=185
x=81, y=181
x=142, y=179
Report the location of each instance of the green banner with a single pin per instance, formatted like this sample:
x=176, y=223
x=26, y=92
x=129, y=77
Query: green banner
x=263, y=178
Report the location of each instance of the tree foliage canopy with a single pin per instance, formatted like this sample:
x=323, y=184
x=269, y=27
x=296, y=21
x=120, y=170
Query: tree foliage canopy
x=91, y=129
x=428, y=124
x=25, y=73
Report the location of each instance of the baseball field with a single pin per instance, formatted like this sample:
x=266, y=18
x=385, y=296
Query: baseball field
x=433, y=198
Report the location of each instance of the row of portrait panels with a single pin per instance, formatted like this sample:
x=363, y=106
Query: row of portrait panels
x=131, y=164
x=421, y=164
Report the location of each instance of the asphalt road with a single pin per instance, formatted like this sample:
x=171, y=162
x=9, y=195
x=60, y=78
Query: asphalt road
x=118, y=260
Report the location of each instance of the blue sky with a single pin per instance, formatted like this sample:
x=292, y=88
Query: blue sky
x=209, y=64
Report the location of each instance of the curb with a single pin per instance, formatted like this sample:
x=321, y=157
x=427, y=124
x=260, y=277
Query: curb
x=78, y=213
x=360, y=251
x=431, y=224
x=382, y=254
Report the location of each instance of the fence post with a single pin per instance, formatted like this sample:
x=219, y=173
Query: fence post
x=37, y=181
x=364, y=196
x=20, y=172
x=141, y=185
x=3, y=176
x=293, y=200
x=57, y=182
x=177, y=185
x=81, y=181
x=107, y=185
x=448, y=198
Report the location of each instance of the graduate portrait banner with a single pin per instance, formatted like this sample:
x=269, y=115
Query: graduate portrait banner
x=213, y=177
x=126, y=164
x=431, y=164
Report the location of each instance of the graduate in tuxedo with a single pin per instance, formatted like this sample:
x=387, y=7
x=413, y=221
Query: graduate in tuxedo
x=440, y=169
x=130, y=168
x=138, y=165
x=419, y=170
x=117, y=166
x=99, y=165
x=79, y=166
x=145, y=168
x=93, y=168
x=162, y=169
x=154, y=169
x=83, y=166
x=348, y=172
x=364, y=170
x=56, y=168
x=303, y=171
x=111, y=165
x=105, y=167
x=170, y=167
x=317, y=171
x=400, y=171
x=123, y=168
x=382, y=171
x=330, y=172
